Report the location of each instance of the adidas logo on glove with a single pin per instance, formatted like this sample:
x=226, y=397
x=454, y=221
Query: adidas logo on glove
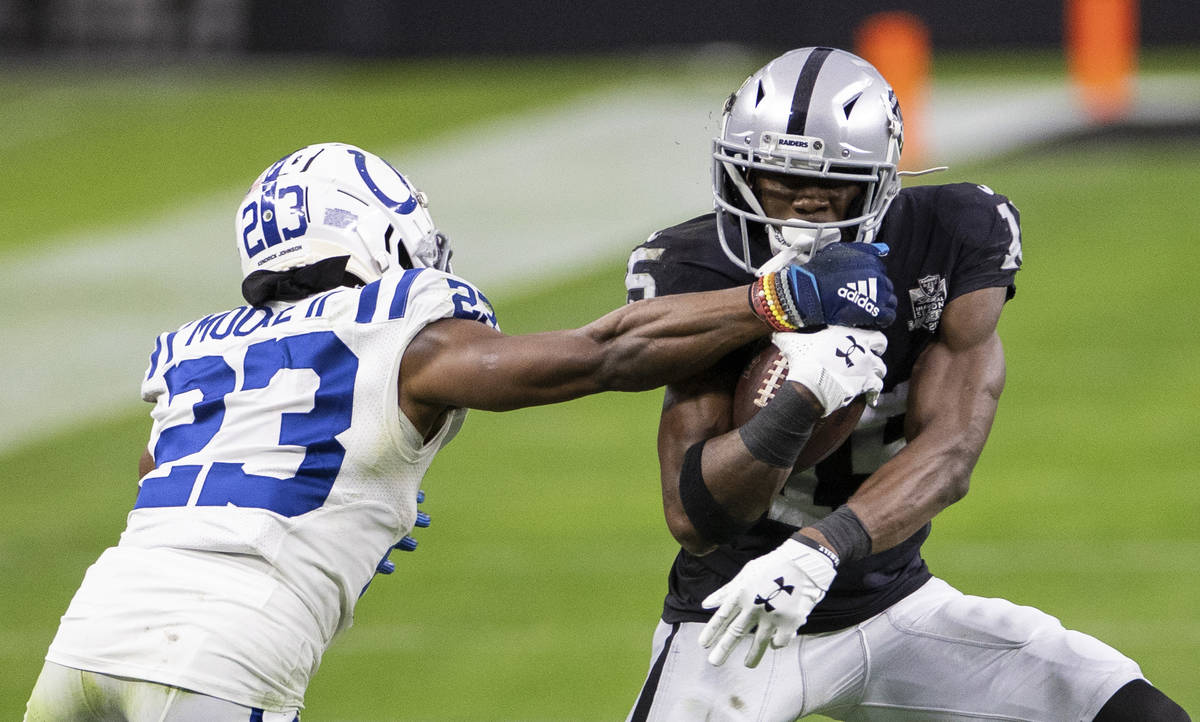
x=861, y=294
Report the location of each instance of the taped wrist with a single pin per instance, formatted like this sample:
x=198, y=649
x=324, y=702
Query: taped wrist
x=846, y=533
x=777, y=434
x=706, y=514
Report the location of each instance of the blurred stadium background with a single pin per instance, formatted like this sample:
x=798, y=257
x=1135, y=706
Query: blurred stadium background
x=551, y=138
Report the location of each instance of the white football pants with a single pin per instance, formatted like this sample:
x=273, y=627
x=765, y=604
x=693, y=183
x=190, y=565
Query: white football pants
x=937, y=654
x=63, y=694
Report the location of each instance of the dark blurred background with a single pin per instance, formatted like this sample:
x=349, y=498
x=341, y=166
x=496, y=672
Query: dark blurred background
x=375, y=28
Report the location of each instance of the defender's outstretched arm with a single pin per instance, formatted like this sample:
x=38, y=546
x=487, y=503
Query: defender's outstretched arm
x=643, y=345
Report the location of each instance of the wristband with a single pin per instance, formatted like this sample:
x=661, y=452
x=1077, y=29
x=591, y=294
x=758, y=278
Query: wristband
x=846, y=533
x=787, y=299
x=766, y=303
x=777, y=434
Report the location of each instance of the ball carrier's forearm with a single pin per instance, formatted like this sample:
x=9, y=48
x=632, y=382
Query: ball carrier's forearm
x=727, y=483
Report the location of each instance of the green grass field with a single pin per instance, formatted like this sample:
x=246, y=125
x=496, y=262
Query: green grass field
x=534, y=593
x=122, y=143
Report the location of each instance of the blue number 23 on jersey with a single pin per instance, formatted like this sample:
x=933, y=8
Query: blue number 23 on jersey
x=226, y=482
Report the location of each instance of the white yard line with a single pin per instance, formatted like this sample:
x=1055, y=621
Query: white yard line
x=521, y=198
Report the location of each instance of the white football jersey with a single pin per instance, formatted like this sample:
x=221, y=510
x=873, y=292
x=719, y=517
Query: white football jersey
x=285, y=472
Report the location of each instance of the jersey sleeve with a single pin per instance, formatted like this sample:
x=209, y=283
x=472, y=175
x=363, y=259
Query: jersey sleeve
x=986, y=229
x=422, y=296
x=154, y=383
x=665, y=265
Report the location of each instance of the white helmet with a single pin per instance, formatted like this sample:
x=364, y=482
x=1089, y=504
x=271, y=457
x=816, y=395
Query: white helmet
x=816, y=112
x=331, y=200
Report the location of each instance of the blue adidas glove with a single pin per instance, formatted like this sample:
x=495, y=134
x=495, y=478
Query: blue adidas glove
x=844, y=284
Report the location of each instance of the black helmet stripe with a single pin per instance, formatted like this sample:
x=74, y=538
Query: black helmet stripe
x=802, y=96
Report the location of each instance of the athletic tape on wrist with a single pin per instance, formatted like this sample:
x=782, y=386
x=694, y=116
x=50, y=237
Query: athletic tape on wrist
x=845, y=533
x=706, y=514
x=776, y=435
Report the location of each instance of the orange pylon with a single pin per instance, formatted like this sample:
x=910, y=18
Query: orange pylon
x=1101, y=40
x=897, y=44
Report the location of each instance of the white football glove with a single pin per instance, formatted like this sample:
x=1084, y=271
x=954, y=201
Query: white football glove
x=837, y=363
x=774, y=593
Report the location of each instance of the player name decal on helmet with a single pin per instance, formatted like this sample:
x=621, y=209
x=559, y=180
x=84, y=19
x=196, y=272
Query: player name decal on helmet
x=861, y=294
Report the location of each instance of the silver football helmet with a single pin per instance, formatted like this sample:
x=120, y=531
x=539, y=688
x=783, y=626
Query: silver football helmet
x=330, y=200
x=815, y=112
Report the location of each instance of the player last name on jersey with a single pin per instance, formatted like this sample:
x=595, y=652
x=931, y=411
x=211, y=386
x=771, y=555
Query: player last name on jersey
x=245, y=320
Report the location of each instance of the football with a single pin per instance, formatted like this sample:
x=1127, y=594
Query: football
x=759, y=381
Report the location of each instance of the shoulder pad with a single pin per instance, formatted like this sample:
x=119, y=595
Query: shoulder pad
x=426, y=291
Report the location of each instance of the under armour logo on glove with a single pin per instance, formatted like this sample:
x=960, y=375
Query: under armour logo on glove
x=837, y=364
x=771, y=619
x=849, y=351
x=766, y=601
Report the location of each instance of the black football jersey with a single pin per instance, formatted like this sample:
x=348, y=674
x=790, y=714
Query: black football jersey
x=944, y=241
